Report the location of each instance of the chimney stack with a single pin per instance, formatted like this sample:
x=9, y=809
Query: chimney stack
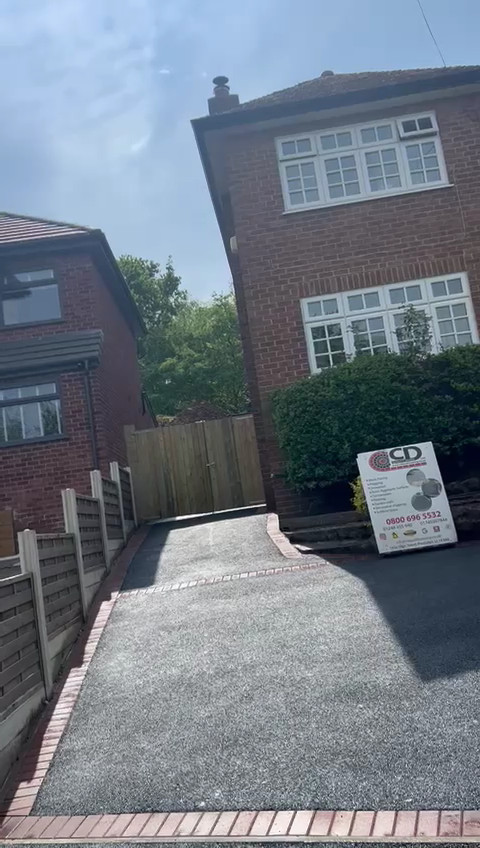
x=222, y=100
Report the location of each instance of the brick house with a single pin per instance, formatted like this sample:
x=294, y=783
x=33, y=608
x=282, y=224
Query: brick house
x=341, y=200
x=69, y=377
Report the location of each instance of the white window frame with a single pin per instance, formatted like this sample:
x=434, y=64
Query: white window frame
x=358, y=149
x=387, y=311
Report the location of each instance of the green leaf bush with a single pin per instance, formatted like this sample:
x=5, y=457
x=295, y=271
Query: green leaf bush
x=323, y=421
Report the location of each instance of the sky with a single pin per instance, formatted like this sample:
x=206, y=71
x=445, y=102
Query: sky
x=97, y=98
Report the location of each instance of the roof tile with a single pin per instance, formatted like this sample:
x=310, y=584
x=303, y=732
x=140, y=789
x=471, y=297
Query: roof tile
x=20, y=228
x=331, y=85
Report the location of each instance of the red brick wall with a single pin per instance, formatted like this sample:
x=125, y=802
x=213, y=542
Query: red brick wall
x=33, y=475
x=283, y=258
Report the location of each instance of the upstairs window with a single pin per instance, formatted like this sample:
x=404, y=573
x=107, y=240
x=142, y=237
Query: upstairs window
x=29, y=297
x=29, y=412
x=361, y=162
x=370, y=321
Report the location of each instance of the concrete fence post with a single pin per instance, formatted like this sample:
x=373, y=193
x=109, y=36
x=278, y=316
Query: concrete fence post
x=97, y=492
x=70, y=515
x=115, y=477
x=132, y=495
x=30, y=564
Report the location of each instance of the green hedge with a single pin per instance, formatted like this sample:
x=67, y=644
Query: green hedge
x=323, y=421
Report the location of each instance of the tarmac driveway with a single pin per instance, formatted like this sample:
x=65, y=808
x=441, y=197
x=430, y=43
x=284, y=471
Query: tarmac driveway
x=337, y=688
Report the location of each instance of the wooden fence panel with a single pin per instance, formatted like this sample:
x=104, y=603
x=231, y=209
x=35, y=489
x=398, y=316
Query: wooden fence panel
x=9, y=567
x=90, y=527
x=20, y=664
x=186, y=459
x=113, y=518
x=248, y=460
x=60, y=582
x=127, y=500
x=7, y=533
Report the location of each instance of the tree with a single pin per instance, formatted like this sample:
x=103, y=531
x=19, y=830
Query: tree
x=192, y=351
x=157, y=293
x=206, y=362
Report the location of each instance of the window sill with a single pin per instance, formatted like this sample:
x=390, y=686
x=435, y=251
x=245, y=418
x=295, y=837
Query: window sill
x=349, y=202
x=7, y=327
x=42, y=440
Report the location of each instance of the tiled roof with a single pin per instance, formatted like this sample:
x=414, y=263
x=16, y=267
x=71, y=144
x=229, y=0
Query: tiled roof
x=343, y=83
x=20, y=228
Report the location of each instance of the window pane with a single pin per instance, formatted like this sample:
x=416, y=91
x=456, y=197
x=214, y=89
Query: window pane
x=330, y=307
x=318, y=332
x=458, y=309
x=50, y=410
x=314, y=309
x=328, y=142
x=321, y=346
x=384, y=132
x=448, y=341
x=424, y=123
x=433, y=176
x=439, y=289
x=455, y=286
x=31, y=421
x=304, y=145
x=296, y=197
x=334, y=330
x=368, y=135
x=311, y=195
x=377, y=185
x=414, y=293
x=378, y=339
x=11, y=394
x=393, y=182
x=373, y=158
x=397, y=295
x=443, y=312
x=352, y=188
x=292, y=171
x=445, y=327
x=335, y=191
x=359, y=326
x=33, y=276
x=288, y=148
x=308, y=169
x=34, y=305
x=336, y=344
x=294, y=185
x=418, y=178
x=409, y=126
x=413, y=151
x=462, y=325
x=375, y=323
x=323, y=361
x=355, y=301
x=13, y=422
x=372, y=299
x=465, y=338
x=338, y=358
x=344, y=139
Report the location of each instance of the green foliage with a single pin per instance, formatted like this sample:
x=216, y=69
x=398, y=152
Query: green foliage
x=157, y=293
x=324, y=421
x=414, y=335
x=205, y=362
x=192, y=351
x=359, y=502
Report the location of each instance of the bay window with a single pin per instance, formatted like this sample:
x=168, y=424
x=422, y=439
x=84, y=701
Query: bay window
x=370, y=321
x=360, y=162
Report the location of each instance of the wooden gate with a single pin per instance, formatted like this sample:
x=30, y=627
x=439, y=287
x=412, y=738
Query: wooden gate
x=186, y=469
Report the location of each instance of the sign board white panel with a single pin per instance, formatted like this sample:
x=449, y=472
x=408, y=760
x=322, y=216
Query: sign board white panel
x=406, y=498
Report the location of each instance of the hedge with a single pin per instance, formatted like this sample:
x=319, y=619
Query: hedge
x=323, y=421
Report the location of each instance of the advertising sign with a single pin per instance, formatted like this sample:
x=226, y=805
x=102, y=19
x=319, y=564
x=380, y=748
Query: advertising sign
x=406, y=498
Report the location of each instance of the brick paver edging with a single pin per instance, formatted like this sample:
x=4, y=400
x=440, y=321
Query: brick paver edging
x=279, y=539
x=248, y=825
x=162, y=588
x=20, y=793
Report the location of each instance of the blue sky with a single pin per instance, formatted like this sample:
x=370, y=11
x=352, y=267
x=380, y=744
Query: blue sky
x=97, y=97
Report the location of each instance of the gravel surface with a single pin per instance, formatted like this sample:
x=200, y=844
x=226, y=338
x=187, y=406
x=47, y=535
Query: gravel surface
x=339, y=688
x=185, y=550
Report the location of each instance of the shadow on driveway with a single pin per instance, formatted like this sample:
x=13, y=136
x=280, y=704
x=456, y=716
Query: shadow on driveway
x=431, y=601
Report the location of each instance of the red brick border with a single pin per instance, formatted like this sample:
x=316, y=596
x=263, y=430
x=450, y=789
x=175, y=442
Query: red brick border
x=248, y=825
x=279, y=539
x=18, y=797
x=163, y=588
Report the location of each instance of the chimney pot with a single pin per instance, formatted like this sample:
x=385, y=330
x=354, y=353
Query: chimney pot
x=222, y=100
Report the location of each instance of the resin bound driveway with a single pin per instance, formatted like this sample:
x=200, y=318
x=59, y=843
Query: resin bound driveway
x=349, y=686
